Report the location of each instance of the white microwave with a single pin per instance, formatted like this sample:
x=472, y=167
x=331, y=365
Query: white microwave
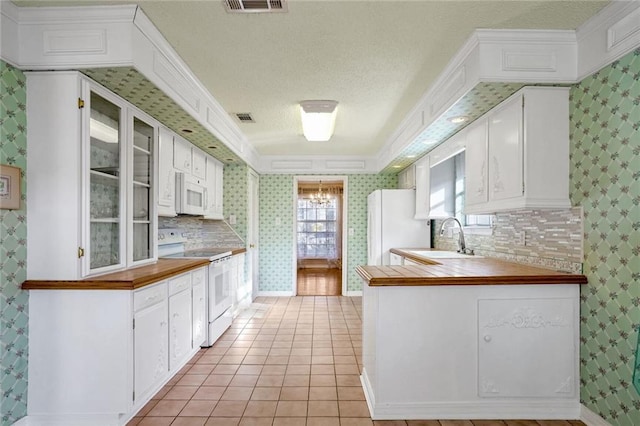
x=190, y=194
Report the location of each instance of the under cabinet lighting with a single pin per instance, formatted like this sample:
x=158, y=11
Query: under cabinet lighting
x=318, y=119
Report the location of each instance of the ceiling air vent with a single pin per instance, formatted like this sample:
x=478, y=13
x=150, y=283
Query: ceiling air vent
x=253, y=6
x=244, y=117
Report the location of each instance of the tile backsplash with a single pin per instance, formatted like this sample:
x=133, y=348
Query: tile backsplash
x=203, y=232
x=552, y=238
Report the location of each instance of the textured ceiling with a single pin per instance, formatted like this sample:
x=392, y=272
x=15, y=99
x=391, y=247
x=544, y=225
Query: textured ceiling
x=376, y=58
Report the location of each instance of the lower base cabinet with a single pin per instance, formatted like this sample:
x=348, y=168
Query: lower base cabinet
x=97, y=356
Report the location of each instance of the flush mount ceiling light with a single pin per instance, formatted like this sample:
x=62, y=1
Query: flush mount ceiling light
x=318, y=119
x=459, y=119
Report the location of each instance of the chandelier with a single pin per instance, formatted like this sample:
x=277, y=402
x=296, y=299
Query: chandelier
x=320, y=198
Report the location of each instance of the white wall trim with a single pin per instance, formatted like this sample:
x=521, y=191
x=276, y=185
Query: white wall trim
x=264, y=293
x=590, y=418
x=328, y=164
x=9, y=33
x=355, y=293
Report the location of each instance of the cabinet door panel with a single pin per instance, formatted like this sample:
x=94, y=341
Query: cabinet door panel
x=182, y=155
x=166, y=175
x=527, y=348
x=476, y=179
x=423, y=185
x=150, y=348
x=199, y=163
x=199, y=306
x=179, y=327
x=506, y=151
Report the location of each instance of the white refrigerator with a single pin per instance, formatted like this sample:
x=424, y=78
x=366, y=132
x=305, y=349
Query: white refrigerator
x=390, y=224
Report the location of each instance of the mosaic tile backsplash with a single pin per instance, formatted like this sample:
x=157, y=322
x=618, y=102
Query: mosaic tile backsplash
x=14, y=303
x=553, y=238
x=202, y=233
x=605, y=181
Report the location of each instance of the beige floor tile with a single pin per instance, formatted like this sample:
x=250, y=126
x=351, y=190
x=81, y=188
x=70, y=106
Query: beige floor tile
x=256, y=421
x=323, y=409
x=348, y=380
x=296, y=380
x=232, y=359
x=167, y=408
x=298, y=369
x=498, y=423
x=244, y=380
x=423, y=423
x=300, y=359
x=266, y=394
x=350, y=393
x=355, y=421
x=278, y=360
x=322, y=359
x=147, y=407
x=226, y=369
x=258, y=351
x=209, y=393
x=294, y=393
x=201, y=369
x=229, y=409
x=347, y=369
x=322, y=344
x=323, y=421
x=192, y=380
x=156, y=421
x=291, y=409
x=353, y=409
x=280, y=351
x=249, y=369
x=223, y=421
x=301, y=352
x=289, y=421
x=262, y=344
x=271, y=370
x=323, y=393
x=237, y=351
x=198, y=408
x=260, y=409
x=134, y=421
x=344, y=359
x=322, y=369
x=209, y=359
x=218, y=380
x=270, y=380
x=323, y=380
x=254, y=359
x=322, y=351
x=237, y=393
x=469, y=423
x=389, y=423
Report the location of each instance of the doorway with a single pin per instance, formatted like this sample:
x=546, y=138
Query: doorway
x=320, y=219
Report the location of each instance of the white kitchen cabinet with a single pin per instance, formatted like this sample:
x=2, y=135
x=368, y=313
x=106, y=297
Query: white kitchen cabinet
x=527, y=156
x=215, y=171
x=407, y=178
x=115, y=343
x=476, y=180
x=180, y=320
x=395, y=259
x=199, y=306
x=151, y=361
x=243, y=287
x=166, y=174
x=422, y=177
x=92, y=196
x=198, y=163
x=182, y=158
x=527, y=348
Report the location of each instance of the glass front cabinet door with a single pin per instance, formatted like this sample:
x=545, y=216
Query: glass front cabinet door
x=121, y=147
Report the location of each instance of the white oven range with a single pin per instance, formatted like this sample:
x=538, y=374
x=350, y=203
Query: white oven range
x=218, y=292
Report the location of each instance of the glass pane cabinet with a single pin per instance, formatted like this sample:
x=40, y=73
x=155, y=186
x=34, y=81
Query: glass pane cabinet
x=105, y=181
x=92, y=179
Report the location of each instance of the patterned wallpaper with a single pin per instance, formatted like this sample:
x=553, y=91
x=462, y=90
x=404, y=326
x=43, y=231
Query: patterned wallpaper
x=235, y=196
x=276, y=241
x=14, y=303
x=605, y=181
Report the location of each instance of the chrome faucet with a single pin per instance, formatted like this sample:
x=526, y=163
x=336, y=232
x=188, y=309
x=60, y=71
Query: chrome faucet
x=462, y=247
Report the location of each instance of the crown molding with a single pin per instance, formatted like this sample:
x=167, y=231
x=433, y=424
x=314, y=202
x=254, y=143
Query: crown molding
x=307, y=164
x=9, y=32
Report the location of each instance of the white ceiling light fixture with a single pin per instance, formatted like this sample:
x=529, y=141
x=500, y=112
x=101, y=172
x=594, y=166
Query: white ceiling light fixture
x=318, y=119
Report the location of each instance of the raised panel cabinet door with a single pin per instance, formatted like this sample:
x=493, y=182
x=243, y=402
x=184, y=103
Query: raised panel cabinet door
x=179, y=327
x=395, y=259
x=151, y=358
x=423, y=185
x=219, y=189
x=212, y=188
x=181, y=155
x=506, y=151
x=476, y=167
x=527, y=348
x=199, y=163
x=199, y=307
x=166, y=175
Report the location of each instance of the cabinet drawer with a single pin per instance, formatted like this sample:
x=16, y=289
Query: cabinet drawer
x=179, y=283
x=199, y=276
x=149, y=296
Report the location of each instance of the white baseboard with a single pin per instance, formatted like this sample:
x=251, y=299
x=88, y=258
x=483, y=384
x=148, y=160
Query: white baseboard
x=353, y=293
x=275, y=294
x=590, y=418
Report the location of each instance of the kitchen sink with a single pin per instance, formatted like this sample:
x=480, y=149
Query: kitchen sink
x=442, y=254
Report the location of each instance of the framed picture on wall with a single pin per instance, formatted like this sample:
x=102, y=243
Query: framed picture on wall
x=9, y=187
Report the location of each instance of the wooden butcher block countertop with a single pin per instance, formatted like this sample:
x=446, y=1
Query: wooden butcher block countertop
x=466, y=271
x=129, y=279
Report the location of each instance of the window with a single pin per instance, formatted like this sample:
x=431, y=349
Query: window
x=317, y=230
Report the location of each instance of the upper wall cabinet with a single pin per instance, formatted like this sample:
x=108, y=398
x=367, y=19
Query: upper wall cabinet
x=91, y=179
x=166, y=175
x=213, y=205
x=422, y=177
x=407, y=178
x=518, y=153
x=182, y=159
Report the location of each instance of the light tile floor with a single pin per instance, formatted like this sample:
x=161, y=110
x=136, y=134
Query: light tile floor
x=289, y=361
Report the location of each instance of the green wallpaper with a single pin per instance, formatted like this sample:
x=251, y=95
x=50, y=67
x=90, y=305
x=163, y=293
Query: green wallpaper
x=235, y=197
x=605, y=180
x=276, y=240
x=14, y=303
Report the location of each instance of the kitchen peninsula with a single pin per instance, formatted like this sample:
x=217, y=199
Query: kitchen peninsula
x=469, y=338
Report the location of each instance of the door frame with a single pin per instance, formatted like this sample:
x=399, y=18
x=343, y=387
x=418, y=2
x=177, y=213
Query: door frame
x=345, y=233
x=253, y=231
